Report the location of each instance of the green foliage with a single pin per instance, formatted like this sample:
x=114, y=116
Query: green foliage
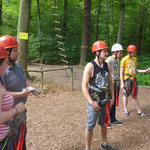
x=143, y=63
x=43, y=47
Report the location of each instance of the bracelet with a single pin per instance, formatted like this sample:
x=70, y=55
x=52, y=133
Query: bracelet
x=16, y=109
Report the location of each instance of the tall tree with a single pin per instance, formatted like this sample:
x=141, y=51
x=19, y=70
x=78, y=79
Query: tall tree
x=23, y=26
x=0, y=12
x=65, y=17
x=121, y=21
x=107, y=23
x=97, y=20
x=113, y=22
x=142, y=19
x=85, y=32
x=38, y=14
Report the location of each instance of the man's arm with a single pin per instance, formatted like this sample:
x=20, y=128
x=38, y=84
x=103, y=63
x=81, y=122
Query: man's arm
x=143, y=71
x=122, y=77
x=85, y=82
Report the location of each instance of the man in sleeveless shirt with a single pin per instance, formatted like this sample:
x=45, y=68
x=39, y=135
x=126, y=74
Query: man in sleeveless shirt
x=95, y=86
x=113, y=64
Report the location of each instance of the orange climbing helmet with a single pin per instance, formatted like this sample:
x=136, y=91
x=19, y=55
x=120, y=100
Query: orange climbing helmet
x=3, y=52
x=8, y=41
x=131, y=48
x=99, y=45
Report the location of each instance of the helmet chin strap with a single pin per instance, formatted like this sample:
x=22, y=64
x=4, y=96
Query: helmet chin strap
x=130, y=54
x=102, y=73
x=9, y=56
x=116, y=55
x=98, y=58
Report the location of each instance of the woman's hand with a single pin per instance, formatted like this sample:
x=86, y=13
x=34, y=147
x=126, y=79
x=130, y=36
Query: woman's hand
x=20, y=107
x=25, y=92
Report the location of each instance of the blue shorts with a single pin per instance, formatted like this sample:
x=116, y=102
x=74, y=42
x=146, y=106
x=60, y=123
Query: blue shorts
x=94, y=116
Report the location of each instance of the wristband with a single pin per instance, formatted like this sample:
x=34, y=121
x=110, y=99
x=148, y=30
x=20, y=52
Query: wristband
x=16, y=109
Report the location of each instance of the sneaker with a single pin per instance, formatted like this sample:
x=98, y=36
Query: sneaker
x=126, y=113
x=87, y=149
x=117, y=122
x=108, y=147
x=109, y=127
x=143, y=115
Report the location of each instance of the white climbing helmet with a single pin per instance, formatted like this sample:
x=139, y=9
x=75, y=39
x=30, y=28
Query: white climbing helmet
x=116, y=47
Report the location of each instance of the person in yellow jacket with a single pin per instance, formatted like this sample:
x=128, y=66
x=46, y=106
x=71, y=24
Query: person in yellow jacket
x=129, y=85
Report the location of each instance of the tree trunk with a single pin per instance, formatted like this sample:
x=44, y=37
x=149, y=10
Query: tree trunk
x=39, y=19
x=142, y=17
x=23, y=26
x=113, y=22
x=107, y=23
x=65, y=17
x=0, y=12
x=97, y=21
x=85, y=32
x=121, y=22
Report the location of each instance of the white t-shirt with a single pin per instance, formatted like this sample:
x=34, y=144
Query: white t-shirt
x=114, y=66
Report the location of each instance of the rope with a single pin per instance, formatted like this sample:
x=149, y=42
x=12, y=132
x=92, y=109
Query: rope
x=61, y=48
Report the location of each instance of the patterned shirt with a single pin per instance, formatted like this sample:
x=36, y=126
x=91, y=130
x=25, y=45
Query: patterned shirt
x=99, y=79
x=114, y=67
x=129, y=65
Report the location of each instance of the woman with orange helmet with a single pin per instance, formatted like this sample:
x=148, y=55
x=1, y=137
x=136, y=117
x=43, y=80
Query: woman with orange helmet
x=95, y=86
x=7, y=110
x=129, y=86
x=9, y=42
x=14, y=79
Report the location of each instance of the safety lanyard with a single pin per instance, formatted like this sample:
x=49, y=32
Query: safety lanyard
x=107, y=117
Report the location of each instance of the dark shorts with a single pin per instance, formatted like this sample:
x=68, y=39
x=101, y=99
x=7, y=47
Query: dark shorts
x=128, y=87
x=94, y=116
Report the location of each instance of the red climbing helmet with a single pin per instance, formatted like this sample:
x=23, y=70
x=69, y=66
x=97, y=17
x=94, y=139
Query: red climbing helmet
x=131, y=48
x=8, y=41
x=99, y=45
x=3, y=52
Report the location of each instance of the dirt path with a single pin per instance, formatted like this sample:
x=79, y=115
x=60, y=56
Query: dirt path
x=56, y=121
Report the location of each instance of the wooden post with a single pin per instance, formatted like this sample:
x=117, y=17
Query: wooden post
x=41, y=74
x=72, y=78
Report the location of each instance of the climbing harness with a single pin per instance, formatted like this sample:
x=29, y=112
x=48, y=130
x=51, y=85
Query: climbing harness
x=21, y=137
x=4, y=143
x=133, y=84
x=117, y=84
x=107, y=116
x=102, y=102
x=98, y=92
x=18, y=121
x=133, y=88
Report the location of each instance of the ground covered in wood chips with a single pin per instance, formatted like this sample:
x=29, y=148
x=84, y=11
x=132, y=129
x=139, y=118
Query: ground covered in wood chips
x=56, y=121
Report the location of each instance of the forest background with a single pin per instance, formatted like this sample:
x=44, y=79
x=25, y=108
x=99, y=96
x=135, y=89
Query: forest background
x=81, y=22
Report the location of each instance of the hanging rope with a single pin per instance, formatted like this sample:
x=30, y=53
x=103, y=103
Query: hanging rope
x=59, y=37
